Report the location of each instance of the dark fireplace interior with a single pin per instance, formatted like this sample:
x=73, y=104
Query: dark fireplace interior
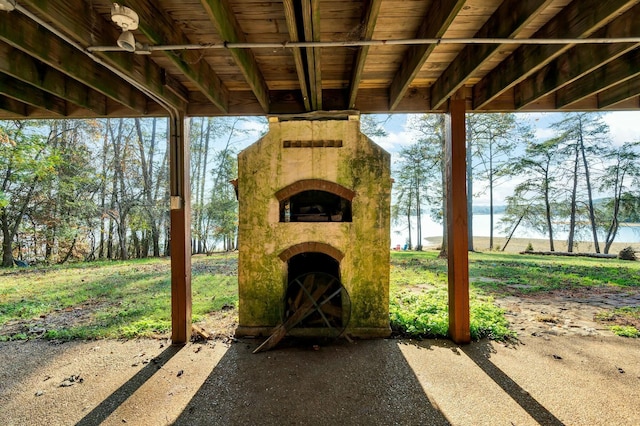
x=316, y=275
x=315, y=206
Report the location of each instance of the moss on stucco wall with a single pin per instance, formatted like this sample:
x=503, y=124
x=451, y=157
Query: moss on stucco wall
x=266, y=167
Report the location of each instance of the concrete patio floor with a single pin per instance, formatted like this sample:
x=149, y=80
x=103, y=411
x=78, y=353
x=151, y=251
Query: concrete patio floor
x=549, y=380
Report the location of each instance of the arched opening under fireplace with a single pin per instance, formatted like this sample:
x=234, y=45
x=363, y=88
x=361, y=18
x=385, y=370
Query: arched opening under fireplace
x=313, y=285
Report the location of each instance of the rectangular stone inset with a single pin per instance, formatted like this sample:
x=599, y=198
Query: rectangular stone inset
x=317, y=143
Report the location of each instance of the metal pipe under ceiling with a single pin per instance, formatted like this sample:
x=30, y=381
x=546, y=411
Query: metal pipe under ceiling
x=359, y=43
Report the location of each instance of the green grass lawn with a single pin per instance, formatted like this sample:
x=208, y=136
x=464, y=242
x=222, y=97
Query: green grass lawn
x=132, y=298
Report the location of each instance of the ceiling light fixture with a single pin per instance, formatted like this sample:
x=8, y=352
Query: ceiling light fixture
x=128, y=21
x=7, y=5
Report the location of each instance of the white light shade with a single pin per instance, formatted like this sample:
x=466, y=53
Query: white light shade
x=7, y=5
x=127, y=42
x=124, y=17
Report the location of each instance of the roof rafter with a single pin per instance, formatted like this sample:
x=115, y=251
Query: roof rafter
x=580, y=60
x=50, y=50
x=292, y=26
x=18, y=64
x=507, y=21
x=614, y=72
x=228, y=28
x=14, y=107
x=581, y=18
x=369, y=19
x=88, y=28
x=434, y=25
x=30, y=95
x=311, y=23
x=619, y=93
x=158, y=26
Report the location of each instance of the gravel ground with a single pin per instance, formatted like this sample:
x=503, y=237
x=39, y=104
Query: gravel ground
x=544, y=379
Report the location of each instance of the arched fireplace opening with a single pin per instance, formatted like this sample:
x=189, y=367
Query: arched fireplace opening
x=314, y=280
x=315, y=206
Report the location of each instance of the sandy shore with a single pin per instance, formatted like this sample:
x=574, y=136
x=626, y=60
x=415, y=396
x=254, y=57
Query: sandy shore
x=517, y=245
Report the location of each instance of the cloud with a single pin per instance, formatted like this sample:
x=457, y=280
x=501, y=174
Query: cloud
x=623, y=126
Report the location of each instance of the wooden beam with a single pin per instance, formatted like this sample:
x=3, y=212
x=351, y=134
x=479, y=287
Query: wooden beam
x=369, y=23
x=14, y=107
x=30, y=95
x=21, y=66
x=615, y=72
x=87, y=27
x=311, y=24
x=180, y=243
x=52, y=51
x=506, y=22
x=160, y=29
x=619, y=93
x=292, y=27
x=579, y=19
x=435, y=24
x=222, y=16
x=457, y=232
x=580, y=60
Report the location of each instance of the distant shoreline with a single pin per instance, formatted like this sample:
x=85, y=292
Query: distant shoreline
x=517, y=245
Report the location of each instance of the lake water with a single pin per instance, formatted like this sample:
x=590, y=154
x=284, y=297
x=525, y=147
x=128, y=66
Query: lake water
x=626, y=234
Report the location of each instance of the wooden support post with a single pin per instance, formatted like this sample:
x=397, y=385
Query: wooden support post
x=458, y=239
x=180, y=244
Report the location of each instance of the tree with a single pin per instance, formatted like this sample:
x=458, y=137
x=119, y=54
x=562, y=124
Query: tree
x=67, y=214
x=581, y=136
x=492, y=138
x=420, y=175
x=531, y=200
x=153, y=178
x=622, y=177
x=26, y=165
x=373, y=125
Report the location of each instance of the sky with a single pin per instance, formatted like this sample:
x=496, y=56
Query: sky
x=623, y=126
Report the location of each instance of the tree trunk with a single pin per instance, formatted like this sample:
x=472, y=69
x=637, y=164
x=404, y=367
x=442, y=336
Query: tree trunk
x=573, y=206
x=547, y=203
x=418, y=216
x=513, y=231
x=444, y=248
x=491, y=195
x=592, y=216
x=70, y=251
x=470, y=187
x=7, y=242
x=613, y=227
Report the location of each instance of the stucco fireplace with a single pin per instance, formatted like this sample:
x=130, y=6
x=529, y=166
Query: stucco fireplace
x=314, y=211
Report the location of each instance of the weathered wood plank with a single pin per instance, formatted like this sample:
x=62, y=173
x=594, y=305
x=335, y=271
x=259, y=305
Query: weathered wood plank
x=434, y=25
x=580, y=60
x=317, y=60
x=280, y=331
x=619, y=93
x=615, y=72
x=14, y=108
x=30, y=95
x=225, y=21
x=158, y=26
x=369, y=23
x=52, y=51
x=310, y=21
x=507, y=21
x=292, y=27
x=19, y=65
x=83, y=24
x=579, y=19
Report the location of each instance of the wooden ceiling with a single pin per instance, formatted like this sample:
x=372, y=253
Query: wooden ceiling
x=57, y=57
